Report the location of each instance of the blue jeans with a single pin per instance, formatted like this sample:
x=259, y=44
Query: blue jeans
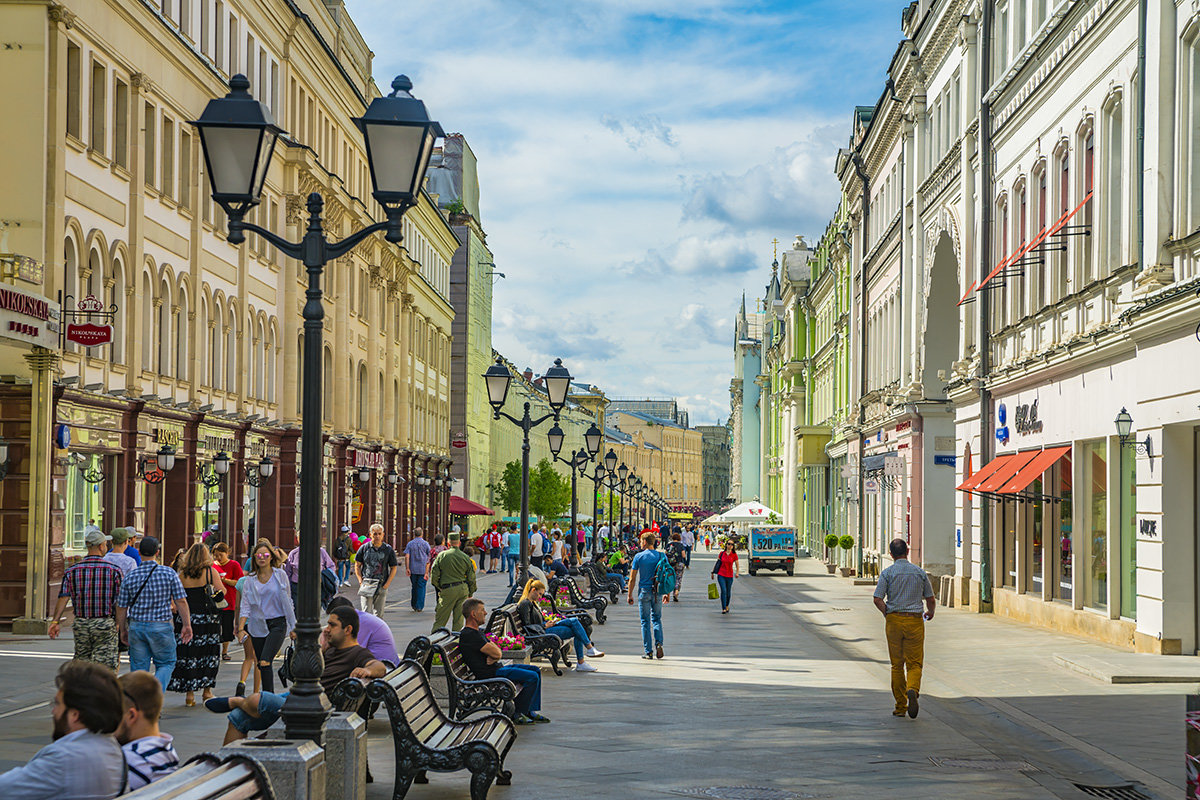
x=529, y=686
x=152, y=641
x=418, y=591
x=512, y=568
x=571, y=628
x=343, y=571
x=270, y=706
x=619, y=577
x=726, y=587
x=650, y=611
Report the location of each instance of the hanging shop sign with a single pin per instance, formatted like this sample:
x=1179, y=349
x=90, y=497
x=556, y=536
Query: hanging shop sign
x=89, y=324
x=458, y=439
x=28, y=317
x=89, y=334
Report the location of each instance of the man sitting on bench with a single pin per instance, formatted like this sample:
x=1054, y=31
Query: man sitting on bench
x=344, y=658
x=482, y=658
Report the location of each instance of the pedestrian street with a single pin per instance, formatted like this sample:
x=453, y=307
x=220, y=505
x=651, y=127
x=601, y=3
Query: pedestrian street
x=788, y=692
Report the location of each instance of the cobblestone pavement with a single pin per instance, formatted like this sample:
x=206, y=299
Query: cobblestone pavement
x=788, y=692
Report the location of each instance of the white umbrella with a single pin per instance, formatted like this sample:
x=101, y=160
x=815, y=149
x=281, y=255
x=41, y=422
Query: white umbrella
x=749, y=511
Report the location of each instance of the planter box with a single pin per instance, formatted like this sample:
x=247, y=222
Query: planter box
x=832, y=568
x=847, y=571
x=516, y=656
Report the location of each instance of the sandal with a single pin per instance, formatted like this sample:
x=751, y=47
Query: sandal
x=226, y=657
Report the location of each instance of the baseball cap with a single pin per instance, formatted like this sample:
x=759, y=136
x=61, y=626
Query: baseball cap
x=119, y=535
x=453, y=536
x=96, y=537
x=345, y=529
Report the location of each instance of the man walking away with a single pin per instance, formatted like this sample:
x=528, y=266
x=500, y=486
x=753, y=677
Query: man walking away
x=514, y=553
x=901, y=589
x=536, y=546
x=149, y=753
x=119, y=554
x=84, y=761
x=144, y=614
x=483, y=659
x=341, y=554
x=689, y=541
x=649, y=601
x=92, y=585
x=453, y=575
x=375, y=566
x=495, y=543
x=416, y=567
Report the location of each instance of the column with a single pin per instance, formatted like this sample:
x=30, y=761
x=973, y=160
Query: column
x=43, y=365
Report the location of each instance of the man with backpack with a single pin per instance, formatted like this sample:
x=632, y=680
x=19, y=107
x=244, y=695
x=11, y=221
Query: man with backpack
x=652, y=577
x=538, y=547
x=341, y=554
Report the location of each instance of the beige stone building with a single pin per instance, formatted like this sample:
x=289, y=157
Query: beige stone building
x=665, y=455
x=106, y=197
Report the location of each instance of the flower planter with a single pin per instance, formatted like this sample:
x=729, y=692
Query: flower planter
x=847, y=571
x=832, y=568
x=516, y=656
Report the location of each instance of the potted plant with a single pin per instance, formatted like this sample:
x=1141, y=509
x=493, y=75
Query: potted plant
x=847, y=544
x=512, y=645
x=831, y=543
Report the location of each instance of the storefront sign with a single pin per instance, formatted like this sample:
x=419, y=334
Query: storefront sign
x=1148, y=528
x=458, y=439
x=1002, y=424
x=903, y=426
x=1027, y=421
x=945, y=461
x=217, y=443
x=166, y=436
x=62, y=436
x=29, y=318
x=368, y=459
x=871, y=485
x=89, y=334
x=261, y=447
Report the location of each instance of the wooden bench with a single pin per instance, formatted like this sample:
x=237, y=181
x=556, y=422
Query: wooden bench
x=207, y=777
x=540, y=645
x=426, y=739
x=599, y=583
x=467, y=694
x=580, y=603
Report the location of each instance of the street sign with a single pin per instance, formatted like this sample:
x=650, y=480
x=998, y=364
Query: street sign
x=89, y=334
x=458, y=439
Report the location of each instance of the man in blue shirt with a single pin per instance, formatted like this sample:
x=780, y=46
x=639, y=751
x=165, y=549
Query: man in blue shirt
x=641, y=578
x=514, y=554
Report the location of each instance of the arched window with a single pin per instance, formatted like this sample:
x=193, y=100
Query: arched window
x=1112, y=189
x=260, y=361
x=271, y=363
x=95, y=279
x=216, y=335
x=202, y=343
x=396, y=410
x=180, y=336
x=163, y=328
x=1021, y=212
x=1062, y=165
x=148, y=348
x=231, y=350
x=1037, y=286
x=1087, y=266
x=361, y=396
x=327, y=381
x=116, y=296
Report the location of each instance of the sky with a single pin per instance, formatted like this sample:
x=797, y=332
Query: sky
x=636, y=159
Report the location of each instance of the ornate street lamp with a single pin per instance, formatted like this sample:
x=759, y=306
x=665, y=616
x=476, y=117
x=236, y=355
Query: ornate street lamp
x=558, y=382
x=578, y=460
x=1124, y=423
x=237, y=135
x=258, y=477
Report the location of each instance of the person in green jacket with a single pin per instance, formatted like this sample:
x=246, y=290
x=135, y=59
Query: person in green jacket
x=453, y=575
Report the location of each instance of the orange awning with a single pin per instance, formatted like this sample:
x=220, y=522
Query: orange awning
x=1042, y=461
x=1010, y=468
x=985, y=472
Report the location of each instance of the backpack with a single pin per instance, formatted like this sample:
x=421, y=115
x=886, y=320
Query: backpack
x=674, y=554
x=340, y=550
x=546, y=544
x=329, y=586
x=664, y=577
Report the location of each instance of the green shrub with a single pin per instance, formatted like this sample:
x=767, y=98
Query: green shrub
x=831, y=540
x=846, y=542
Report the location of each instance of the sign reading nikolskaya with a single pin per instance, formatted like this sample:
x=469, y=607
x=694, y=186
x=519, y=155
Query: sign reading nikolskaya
x=28, y=318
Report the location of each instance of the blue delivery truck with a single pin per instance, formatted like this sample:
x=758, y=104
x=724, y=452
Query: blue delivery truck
x=772, y=547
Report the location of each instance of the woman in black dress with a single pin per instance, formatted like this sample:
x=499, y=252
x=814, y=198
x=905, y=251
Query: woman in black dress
x=197, y=661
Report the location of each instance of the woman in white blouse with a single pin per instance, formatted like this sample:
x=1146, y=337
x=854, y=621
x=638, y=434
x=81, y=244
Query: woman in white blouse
x=266, y=609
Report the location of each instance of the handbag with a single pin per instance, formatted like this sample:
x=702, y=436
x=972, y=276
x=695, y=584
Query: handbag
x=218, y=598
x=712, y=591
x=368, y=587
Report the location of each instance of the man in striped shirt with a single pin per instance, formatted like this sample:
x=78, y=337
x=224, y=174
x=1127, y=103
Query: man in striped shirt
x=901, y=590
x=149, y=753
x=92, y=586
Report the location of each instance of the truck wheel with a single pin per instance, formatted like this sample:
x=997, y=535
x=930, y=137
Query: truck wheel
x=791, y=571
x=753, y=572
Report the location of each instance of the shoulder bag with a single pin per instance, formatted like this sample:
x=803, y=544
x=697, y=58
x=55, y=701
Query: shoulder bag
x=218, y=598
x=122, y=647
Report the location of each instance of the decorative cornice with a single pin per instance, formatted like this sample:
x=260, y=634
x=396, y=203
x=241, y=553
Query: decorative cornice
x=61, y=15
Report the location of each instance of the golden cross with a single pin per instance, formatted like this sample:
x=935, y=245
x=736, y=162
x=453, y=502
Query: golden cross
x=775, y=248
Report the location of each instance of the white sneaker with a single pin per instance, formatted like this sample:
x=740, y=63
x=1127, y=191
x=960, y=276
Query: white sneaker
x=585, y=667
x=594, y=653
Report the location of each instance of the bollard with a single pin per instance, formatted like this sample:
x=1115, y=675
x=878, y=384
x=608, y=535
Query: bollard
x=296, y=768
x=345, y=755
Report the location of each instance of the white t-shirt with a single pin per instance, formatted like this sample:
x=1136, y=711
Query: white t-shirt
x=535, y=545
x=557, y=550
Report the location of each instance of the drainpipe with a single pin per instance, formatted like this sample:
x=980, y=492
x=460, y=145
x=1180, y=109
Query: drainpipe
x=1141, y=132
x=985, y=350
x=862, y=343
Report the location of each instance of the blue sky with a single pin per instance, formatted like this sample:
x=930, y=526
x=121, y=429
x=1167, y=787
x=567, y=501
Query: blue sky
x=636, y=159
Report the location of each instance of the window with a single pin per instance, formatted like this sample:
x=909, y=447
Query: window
x=1019, y=24
x=206, y=27
x=167, y=178
x=234, y=57
x=74, y=79
x=1095, y=524
x=218, y=39
x=251, y=64
x=1087, y=267
x=98, y=109
x=163, y=329
x=1128, y=500
x=1190, y=125
x=1062, y=279
x=148, y=153
x=1001, y=42
x=1113, y=191
x=1019, y=281
x=121, y=124
x=116, y=297
x=185, y=169
x=1037, y=287
x=215, y=335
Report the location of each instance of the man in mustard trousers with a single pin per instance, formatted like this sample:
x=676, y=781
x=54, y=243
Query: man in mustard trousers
x=899, y=595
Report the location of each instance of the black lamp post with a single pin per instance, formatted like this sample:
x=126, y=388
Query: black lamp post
x=597, y=477
x=622, y=477
x=578, y=460
x=558, y=383
x=238, y=134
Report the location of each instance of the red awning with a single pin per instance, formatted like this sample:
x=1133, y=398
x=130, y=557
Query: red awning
x=1011, y=467
x=462, y=507
x=1042, y=461
x=985, y=472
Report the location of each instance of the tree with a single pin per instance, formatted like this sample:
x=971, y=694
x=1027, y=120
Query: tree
x=549, y=492
x=507, y=490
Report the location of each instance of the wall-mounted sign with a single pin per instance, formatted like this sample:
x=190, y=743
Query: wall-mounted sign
x=1026, y=420
x=368, y=459
x=458, y=439
x=166, y=436
x=1002, y=424
x=28, y=317
x=1148, y=528
x=62, y=436
x=903, y=426
x=945, y=461
x=89, y=334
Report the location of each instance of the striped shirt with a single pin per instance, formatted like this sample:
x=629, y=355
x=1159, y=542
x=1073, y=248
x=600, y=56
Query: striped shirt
x=150, y=758
x=92, y=585
x=905, y=586
x=161, y=586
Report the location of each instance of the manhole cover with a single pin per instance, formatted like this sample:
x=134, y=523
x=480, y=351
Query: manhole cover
x=1113, y=792
x=742, y=793
x=981, y=764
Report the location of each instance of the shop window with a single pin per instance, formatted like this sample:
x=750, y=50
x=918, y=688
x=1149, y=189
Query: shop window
x=1009, y=514
x=1128, y=460
x=1095, y=524
x=1064, y=552
x=1037, y=537
x=84, y=506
